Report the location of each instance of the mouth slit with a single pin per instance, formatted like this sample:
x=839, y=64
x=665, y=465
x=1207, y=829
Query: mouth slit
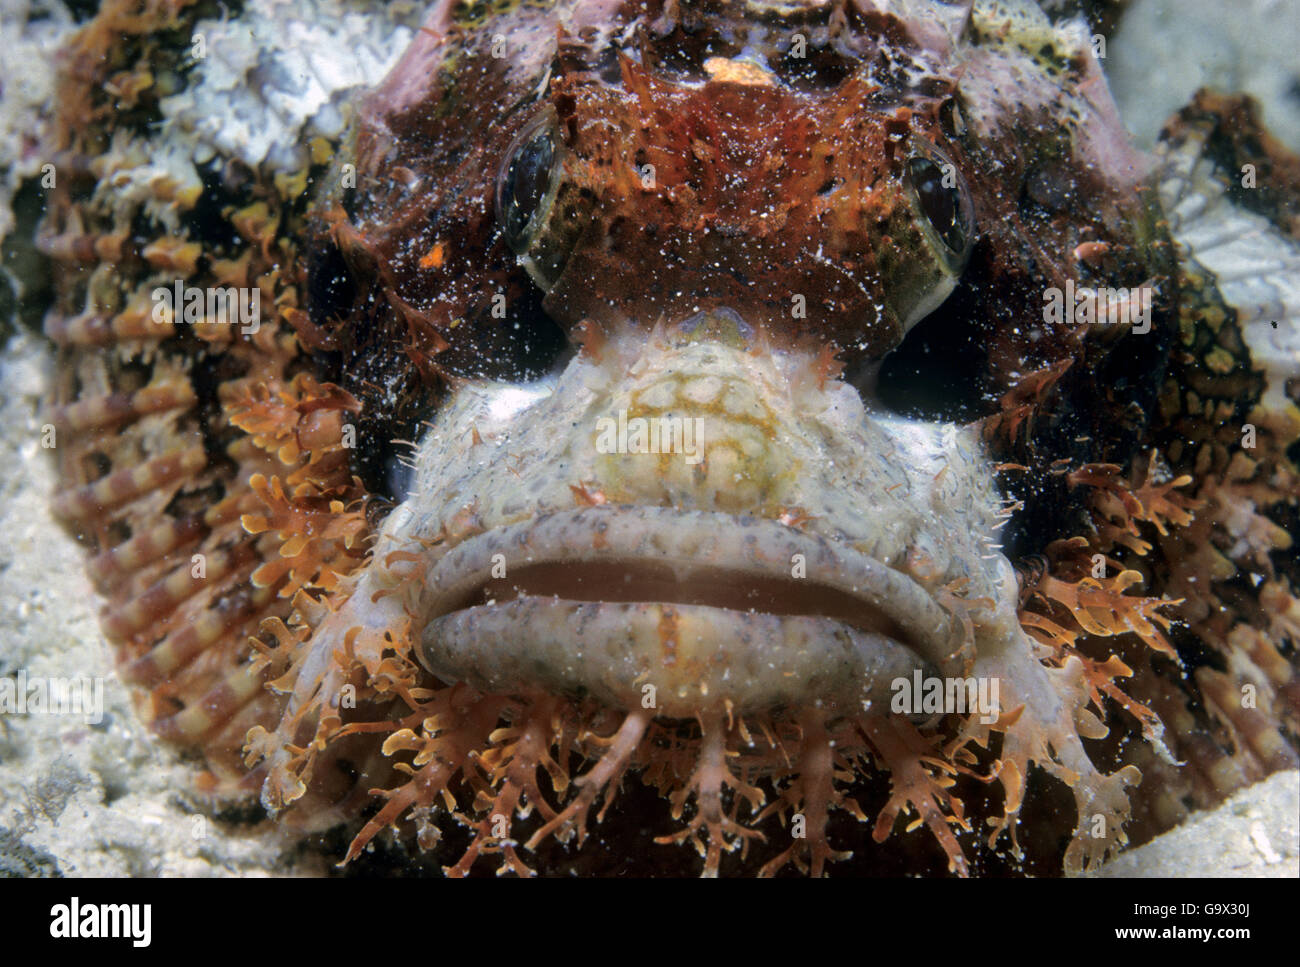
x=635, y=582
x=724, y=573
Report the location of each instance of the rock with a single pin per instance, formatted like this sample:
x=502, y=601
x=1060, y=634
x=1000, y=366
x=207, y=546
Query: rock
x=1255, y=833
x=1164, y=50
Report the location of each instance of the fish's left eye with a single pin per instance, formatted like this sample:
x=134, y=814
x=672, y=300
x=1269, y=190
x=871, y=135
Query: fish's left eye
x=942, y=199
x=930, y=242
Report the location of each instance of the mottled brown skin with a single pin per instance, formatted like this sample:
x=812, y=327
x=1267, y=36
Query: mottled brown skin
x=759, y=192
x=750, y=181
x=386, y=295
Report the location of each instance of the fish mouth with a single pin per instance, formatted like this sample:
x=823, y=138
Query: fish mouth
x=677, y=610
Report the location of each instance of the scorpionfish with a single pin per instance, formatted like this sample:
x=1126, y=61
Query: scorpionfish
x=804, y=435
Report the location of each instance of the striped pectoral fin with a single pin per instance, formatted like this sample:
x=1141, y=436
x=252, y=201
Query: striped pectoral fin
x=1232, y=197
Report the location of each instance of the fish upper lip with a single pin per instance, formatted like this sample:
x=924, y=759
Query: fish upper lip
x=693, y=558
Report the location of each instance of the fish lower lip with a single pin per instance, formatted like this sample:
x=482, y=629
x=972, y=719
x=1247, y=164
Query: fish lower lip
x=683, y=659
x=704, y=606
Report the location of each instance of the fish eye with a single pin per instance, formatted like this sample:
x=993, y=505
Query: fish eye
x=942, y=200
x=541, y=207
x=524, y=187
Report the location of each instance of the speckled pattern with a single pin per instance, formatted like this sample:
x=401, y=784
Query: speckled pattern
x=358, y=587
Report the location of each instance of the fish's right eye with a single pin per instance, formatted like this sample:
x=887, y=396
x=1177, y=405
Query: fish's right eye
x=525, y=189
x=541, y=208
